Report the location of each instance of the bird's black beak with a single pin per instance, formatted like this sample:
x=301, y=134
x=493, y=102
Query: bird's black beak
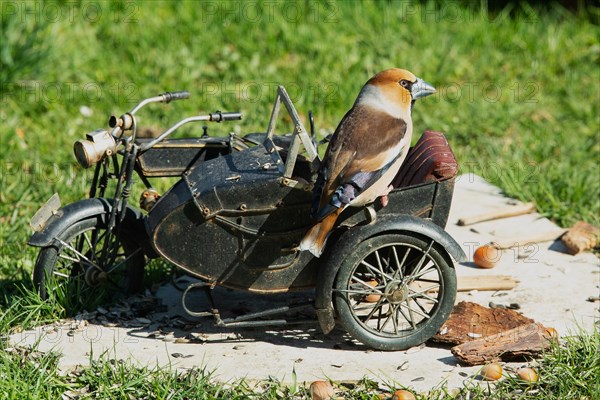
x=421, y=89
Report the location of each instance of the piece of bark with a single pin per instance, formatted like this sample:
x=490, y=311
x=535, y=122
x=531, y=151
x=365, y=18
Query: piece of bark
x=582, y=236
x=521, y=342
x=470, y=321
x=486, y=283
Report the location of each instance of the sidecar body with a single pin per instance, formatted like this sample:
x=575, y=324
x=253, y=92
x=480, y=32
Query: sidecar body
x=236, y=220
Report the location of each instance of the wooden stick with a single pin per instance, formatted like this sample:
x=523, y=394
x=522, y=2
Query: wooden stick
x=528, y=239
x=485, y=283
x=499, y=213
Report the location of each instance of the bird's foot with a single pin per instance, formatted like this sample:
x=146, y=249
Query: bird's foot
x=384, y=198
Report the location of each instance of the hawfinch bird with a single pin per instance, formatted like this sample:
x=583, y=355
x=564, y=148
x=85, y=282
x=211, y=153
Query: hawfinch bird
x=365, y=152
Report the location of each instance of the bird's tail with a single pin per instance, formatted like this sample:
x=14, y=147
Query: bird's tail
x=315, y=238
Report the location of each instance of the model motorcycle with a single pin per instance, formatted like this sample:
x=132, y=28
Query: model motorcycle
x=235, y=216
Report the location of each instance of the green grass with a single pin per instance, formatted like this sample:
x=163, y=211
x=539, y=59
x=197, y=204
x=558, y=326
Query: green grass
x=518, y=93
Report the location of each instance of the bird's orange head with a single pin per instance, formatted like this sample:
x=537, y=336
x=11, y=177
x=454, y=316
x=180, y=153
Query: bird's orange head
x=394, y=91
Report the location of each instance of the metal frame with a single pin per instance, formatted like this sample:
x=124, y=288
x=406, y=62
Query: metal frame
x=300, y=135
x=248, y=320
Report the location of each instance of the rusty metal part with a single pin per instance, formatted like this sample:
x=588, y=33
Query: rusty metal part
x=148, y=199
x=124, y=122
x=95, y=277
x=40, y=219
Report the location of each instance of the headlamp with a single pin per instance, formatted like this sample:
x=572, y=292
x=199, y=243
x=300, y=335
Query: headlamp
x=98, y=144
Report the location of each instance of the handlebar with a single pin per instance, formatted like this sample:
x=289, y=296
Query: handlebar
x=170, y=96
x=127, y=120
x=219, y=116
x=103, y=142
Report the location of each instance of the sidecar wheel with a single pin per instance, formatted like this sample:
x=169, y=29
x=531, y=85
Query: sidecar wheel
x=394, y=291
x=85, y=266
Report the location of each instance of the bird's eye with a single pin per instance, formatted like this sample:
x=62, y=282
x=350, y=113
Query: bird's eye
x=404, y=83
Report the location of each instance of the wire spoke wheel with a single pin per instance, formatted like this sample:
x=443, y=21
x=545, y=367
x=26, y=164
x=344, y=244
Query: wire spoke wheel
x=87, y=266
x=394, y=291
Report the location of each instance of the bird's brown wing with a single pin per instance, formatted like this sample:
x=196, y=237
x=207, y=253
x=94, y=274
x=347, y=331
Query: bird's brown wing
x=356, y=156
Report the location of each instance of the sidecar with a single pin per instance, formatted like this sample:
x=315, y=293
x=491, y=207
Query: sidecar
x=387, y=273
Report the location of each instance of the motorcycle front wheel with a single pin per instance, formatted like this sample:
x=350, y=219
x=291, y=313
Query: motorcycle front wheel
x=86, y=265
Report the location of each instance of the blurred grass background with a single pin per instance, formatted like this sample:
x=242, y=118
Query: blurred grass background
x=518, y=85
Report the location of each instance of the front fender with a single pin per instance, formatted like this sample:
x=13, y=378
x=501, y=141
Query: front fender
x=351, y=238
x=83, y=209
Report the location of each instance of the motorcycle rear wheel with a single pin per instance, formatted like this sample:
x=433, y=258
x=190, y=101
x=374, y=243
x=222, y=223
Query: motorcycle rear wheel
x=394, y=291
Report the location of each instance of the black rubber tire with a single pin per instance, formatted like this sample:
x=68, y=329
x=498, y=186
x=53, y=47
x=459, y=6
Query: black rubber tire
x=365, y=310
x=126, y=279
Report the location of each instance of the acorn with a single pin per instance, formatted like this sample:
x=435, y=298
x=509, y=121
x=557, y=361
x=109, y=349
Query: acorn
x=527, y=374
x=403, y=395
x=486, y=256
x=372, y=298
x=491, y=372
x=321, y=390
